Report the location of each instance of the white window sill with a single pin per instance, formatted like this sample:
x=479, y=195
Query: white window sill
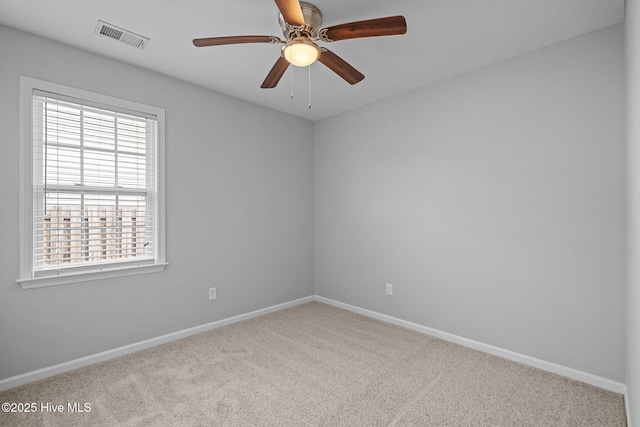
x=85, y=276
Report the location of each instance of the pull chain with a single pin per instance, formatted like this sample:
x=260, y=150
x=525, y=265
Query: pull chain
x=291, y=82
x=309, y=86
x=291, y=79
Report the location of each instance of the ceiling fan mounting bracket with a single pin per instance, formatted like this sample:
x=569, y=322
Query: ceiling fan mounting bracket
x=312, y=19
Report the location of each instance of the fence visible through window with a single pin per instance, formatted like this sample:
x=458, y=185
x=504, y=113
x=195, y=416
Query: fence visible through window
x=93, y=234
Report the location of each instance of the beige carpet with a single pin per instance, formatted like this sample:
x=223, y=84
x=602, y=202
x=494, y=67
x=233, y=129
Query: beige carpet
x=315, y=365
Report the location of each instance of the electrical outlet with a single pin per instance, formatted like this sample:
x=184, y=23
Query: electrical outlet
x=212, y=293
x=389, y=289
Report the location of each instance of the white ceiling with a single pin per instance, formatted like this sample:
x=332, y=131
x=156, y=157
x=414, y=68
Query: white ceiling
x=444, y=38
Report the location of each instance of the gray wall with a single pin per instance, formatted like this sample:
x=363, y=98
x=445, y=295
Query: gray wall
x=632, y=55
x=494, y=202
x=239, y=214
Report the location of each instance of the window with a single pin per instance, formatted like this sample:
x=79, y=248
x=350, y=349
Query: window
x=92, y=187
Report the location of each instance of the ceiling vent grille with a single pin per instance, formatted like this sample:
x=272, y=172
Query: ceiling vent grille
x=121, y=35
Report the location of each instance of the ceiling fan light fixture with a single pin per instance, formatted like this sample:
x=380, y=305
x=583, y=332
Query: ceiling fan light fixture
x=300, y=52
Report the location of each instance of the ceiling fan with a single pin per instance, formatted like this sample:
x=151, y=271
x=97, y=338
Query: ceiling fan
x=300, y=23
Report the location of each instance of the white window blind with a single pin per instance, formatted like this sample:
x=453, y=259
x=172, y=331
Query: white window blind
x=94, y=185
x=91, y=187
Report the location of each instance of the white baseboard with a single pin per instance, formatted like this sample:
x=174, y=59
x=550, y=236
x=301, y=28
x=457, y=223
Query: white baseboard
x=565, y=371
x=571, y=373
x=50, y=371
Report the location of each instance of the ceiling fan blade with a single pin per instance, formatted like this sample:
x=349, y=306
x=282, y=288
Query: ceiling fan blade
x=217, y=41
x=275, y=74
x=340, y=66
x=291, y=11
x=389, y=26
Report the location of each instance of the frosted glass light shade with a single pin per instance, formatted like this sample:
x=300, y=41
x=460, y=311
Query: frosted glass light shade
x=301, y=52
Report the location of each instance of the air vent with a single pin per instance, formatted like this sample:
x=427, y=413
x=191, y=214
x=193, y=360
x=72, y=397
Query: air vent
x=120, y=34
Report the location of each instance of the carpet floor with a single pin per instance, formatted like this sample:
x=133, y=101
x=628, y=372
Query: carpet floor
x=313, y=365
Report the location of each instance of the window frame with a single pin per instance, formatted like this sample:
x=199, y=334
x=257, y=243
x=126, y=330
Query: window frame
x=28, y=277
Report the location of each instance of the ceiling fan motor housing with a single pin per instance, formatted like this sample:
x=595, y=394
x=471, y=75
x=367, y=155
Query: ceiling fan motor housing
x=312, y=19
